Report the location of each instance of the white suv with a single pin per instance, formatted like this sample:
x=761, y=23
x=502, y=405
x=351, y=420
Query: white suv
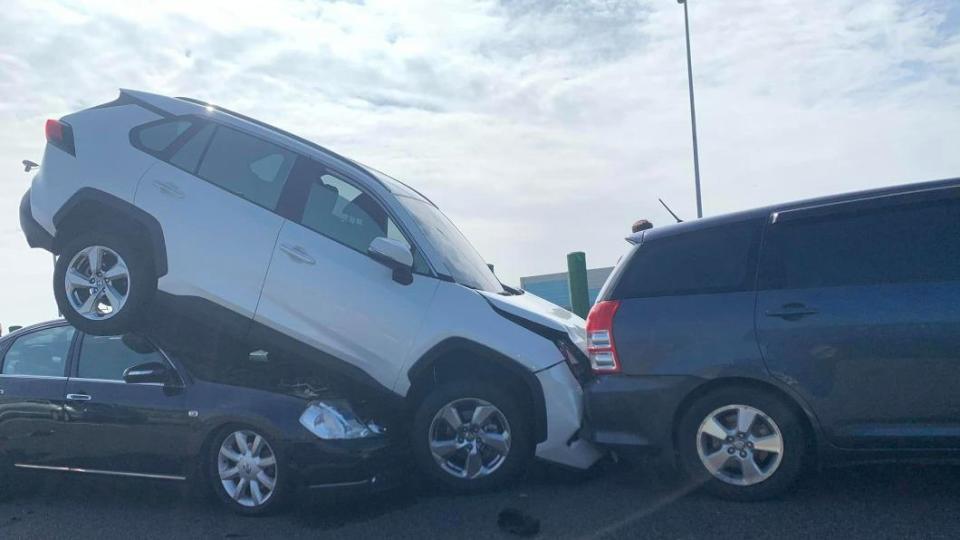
x=157, y=201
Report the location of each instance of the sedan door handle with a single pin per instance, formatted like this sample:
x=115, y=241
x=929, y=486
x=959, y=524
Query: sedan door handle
x=78, y=397
x=168, y=188
x=298, y=254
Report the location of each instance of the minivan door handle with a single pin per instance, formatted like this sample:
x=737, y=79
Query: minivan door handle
x=298, y=254
x=791, y=312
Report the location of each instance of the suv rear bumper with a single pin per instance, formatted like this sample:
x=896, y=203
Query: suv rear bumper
x=37, y=236
x=635, y=413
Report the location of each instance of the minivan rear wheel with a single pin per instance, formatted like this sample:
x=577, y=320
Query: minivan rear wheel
x=742, y=443
x=471, y=436
x=103, y=283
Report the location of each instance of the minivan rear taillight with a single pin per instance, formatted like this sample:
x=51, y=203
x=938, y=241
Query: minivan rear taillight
x=600, y=345
x=60, y=135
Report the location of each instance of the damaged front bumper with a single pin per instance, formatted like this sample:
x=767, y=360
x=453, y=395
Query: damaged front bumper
x=564, y=398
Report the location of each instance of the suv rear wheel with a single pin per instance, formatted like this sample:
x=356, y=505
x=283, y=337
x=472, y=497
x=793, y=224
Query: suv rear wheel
x=742, y=444
x=471, y=436
x=103, y=283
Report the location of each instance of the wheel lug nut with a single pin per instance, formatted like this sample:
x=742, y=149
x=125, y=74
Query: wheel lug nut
x=731, y=450
x=743, y=454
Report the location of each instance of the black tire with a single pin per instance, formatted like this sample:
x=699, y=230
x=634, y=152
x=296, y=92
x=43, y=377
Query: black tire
x=795, y=446
x=521, y=437
x=141, y=286
x=279, y=496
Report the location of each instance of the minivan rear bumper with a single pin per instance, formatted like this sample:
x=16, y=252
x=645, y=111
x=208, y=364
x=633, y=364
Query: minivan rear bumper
x=635, y=413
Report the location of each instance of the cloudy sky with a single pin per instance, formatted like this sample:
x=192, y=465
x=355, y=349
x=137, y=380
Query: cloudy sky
x=541, y=127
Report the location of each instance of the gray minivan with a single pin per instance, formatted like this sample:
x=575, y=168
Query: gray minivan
x=744, y=347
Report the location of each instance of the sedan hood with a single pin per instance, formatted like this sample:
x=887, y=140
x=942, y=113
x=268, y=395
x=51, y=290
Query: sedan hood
x=537, y=310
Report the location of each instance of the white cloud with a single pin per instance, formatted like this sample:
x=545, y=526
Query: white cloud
x=539, y=127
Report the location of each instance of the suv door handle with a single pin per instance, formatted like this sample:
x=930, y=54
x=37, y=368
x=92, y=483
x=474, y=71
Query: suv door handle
x=78, y=397
x=791, y=312
x=168, y=188
x=298, y=254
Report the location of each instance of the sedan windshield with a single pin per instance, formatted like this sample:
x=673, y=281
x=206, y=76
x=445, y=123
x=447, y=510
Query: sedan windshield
x=459, y=256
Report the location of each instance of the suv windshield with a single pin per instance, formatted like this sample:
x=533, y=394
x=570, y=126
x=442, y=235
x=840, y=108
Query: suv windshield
x=462, y=260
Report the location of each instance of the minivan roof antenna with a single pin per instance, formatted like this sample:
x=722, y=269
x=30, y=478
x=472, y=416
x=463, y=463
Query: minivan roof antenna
x=671, y=211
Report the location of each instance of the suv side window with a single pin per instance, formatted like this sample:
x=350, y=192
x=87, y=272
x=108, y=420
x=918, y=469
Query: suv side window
x=720, y=259
x=187, y=157
x=339, y=210
x=107, y=357
x=42, y=353
x=915, y=242
x=247, y=166
x=158, y=136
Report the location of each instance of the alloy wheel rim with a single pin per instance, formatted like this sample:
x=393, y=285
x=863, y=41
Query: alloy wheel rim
x=248, y=468
x=469, y=438
x=97, y=283
x=740, y=445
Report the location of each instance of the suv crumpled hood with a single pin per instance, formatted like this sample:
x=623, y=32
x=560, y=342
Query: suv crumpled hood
x=535, y=309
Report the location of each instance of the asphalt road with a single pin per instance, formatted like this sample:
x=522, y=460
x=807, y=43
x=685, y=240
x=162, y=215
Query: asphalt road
x=614, y=502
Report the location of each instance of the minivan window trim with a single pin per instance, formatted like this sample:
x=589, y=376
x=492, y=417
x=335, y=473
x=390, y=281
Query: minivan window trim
x=873, y=202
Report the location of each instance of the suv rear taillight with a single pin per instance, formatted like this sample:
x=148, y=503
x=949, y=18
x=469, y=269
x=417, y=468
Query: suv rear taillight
x=60, y=135
x=600, y=345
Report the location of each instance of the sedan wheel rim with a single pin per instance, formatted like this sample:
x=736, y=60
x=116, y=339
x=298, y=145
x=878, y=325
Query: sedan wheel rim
x=469, y=438
x=248, y=468
x=740, y=445
x=97, y=283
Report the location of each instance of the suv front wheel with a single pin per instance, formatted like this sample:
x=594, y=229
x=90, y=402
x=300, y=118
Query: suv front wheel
x=471, y=436
x=742, y=444
x=103, y=283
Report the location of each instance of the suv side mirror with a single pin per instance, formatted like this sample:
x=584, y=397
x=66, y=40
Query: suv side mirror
x=148, y=372
x=393, y=254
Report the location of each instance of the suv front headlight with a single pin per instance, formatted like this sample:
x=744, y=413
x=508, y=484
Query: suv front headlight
x=336, y=420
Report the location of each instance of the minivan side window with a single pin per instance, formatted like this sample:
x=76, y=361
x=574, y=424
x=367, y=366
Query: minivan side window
x=247, y=166
x=719, y=259
x=42, y=353
x=157, y=136
x=339, y=210
x=917, y=242
x=107, y=357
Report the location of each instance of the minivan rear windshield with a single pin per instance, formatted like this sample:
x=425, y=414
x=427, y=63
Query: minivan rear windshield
x=459, y=256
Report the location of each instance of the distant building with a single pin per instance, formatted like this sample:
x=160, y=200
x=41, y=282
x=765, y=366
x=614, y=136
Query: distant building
x=555, y=288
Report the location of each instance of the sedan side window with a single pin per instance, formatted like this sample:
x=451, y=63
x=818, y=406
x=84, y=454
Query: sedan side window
x=107, y=357
x=247, y=166
x=339, y=210
x=40, y=354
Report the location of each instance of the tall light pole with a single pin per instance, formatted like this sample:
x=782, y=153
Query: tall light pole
x=693, y=110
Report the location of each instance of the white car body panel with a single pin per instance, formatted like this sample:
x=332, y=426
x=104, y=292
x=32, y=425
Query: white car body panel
x=363, y=316
x=203, y=215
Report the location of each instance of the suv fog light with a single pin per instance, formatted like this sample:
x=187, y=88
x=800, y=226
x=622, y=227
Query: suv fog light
x=336, y=420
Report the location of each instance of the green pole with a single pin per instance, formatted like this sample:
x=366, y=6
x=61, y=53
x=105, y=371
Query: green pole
x=577, y=272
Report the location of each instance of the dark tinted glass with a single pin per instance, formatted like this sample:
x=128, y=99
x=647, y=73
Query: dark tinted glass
x=897, y=244
x=188, y=156
x=247, y=166
x=714, y=260
x=158, y=137
x=106, y=357
x=40, y=353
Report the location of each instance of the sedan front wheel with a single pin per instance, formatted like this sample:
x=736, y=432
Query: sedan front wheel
x=246, y=472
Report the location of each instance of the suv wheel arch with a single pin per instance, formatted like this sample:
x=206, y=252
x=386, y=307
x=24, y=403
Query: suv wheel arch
x=108, y=209
x=451, y=360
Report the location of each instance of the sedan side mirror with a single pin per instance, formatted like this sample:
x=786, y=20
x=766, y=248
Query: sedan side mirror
x=393, y=254
x=148, y=372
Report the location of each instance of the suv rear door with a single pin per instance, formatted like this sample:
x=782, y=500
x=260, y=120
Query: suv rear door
x=216, y=192
x=859, y=311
